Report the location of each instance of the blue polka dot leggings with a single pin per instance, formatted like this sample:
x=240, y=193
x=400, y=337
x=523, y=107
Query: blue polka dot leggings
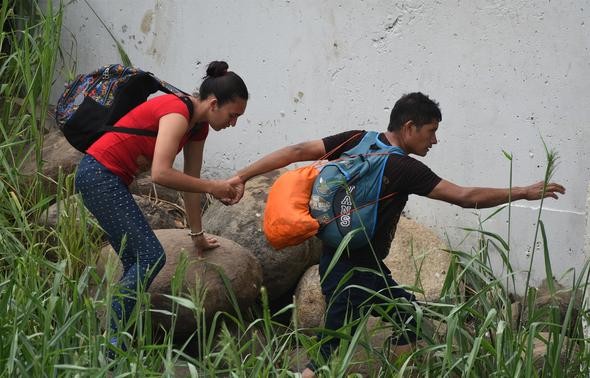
x=109, y=200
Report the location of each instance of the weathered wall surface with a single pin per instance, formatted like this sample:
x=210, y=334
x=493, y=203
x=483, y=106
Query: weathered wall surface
x=506, y=73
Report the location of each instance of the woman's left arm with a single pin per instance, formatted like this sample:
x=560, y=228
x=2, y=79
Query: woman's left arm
x=171, y=131
x=193, y=161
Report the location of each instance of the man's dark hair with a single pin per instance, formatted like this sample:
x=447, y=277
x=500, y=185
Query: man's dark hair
x=415, y=107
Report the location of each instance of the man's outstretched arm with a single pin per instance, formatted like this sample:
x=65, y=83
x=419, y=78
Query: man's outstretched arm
x=306, y=151
x=476, y=197
x=312, y=150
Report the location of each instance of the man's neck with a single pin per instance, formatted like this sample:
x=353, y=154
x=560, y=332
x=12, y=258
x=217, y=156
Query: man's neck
x=393, y=138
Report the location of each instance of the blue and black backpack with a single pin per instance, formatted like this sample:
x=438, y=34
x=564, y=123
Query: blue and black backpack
x=346, y=193
x=95, y=101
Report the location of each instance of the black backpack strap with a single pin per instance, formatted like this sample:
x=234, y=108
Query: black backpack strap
x=166, y=88
x=142, y=132
x=189, y=104
x=171, y=89
x=131, y=130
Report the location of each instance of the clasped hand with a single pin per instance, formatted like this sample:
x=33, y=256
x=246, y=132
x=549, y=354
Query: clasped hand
x=229, y=191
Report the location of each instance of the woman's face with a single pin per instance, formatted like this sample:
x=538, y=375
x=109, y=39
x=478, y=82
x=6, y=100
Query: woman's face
x=227, y=114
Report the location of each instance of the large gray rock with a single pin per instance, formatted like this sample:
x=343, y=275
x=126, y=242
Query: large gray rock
x=550, y=307
x=161, y=214
x=416, y=258
x=541, y=351
x=310, y=304
x=242, y=223
x=240, y=267
x=57, y=154
x=143, y=185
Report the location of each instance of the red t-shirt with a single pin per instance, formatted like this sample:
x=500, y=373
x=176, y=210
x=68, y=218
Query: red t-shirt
x=119, y=151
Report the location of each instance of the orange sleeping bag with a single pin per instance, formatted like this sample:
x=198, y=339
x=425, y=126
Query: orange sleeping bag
x=287, y=220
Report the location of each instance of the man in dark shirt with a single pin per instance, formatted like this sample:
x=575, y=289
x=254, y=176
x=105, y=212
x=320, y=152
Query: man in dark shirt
x=413, y=124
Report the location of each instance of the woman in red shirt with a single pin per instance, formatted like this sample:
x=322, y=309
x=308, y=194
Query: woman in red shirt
x=113, y=161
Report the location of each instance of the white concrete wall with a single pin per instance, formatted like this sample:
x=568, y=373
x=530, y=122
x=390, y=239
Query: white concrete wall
x=505, y=74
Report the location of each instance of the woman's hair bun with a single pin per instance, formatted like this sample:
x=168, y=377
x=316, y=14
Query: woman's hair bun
x=223, y=84
x=217, y=68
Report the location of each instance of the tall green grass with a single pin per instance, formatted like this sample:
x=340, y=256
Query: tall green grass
x=51, y=295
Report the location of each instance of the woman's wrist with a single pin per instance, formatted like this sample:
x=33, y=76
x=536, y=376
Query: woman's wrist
x=209, y=186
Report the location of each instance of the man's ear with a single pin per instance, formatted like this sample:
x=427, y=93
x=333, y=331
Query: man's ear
x=407, y=126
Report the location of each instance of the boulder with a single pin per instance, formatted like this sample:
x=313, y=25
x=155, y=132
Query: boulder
x=242, y=223
x=310, y=305
x=57, y=154
x=67, y=207
x=143, y=185
x=161, y=214
x=416, y=258
x=239, y=266
x=553, y=306
x=542, y=345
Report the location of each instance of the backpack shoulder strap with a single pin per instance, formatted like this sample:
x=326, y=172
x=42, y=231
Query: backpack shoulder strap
x=183, y=96
x=370, y=144
x=171, y=89
x=191, y=109
x=189, y=105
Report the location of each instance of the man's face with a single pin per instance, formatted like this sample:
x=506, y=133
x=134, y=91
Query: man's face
x=422, y=138
x=226, y=115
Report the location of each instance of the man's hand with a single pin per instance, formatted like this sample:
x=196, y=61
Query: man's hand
x=481, y=198
x=535, y=191
x=239, y=186
x=222, y=189
x=203, y=243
